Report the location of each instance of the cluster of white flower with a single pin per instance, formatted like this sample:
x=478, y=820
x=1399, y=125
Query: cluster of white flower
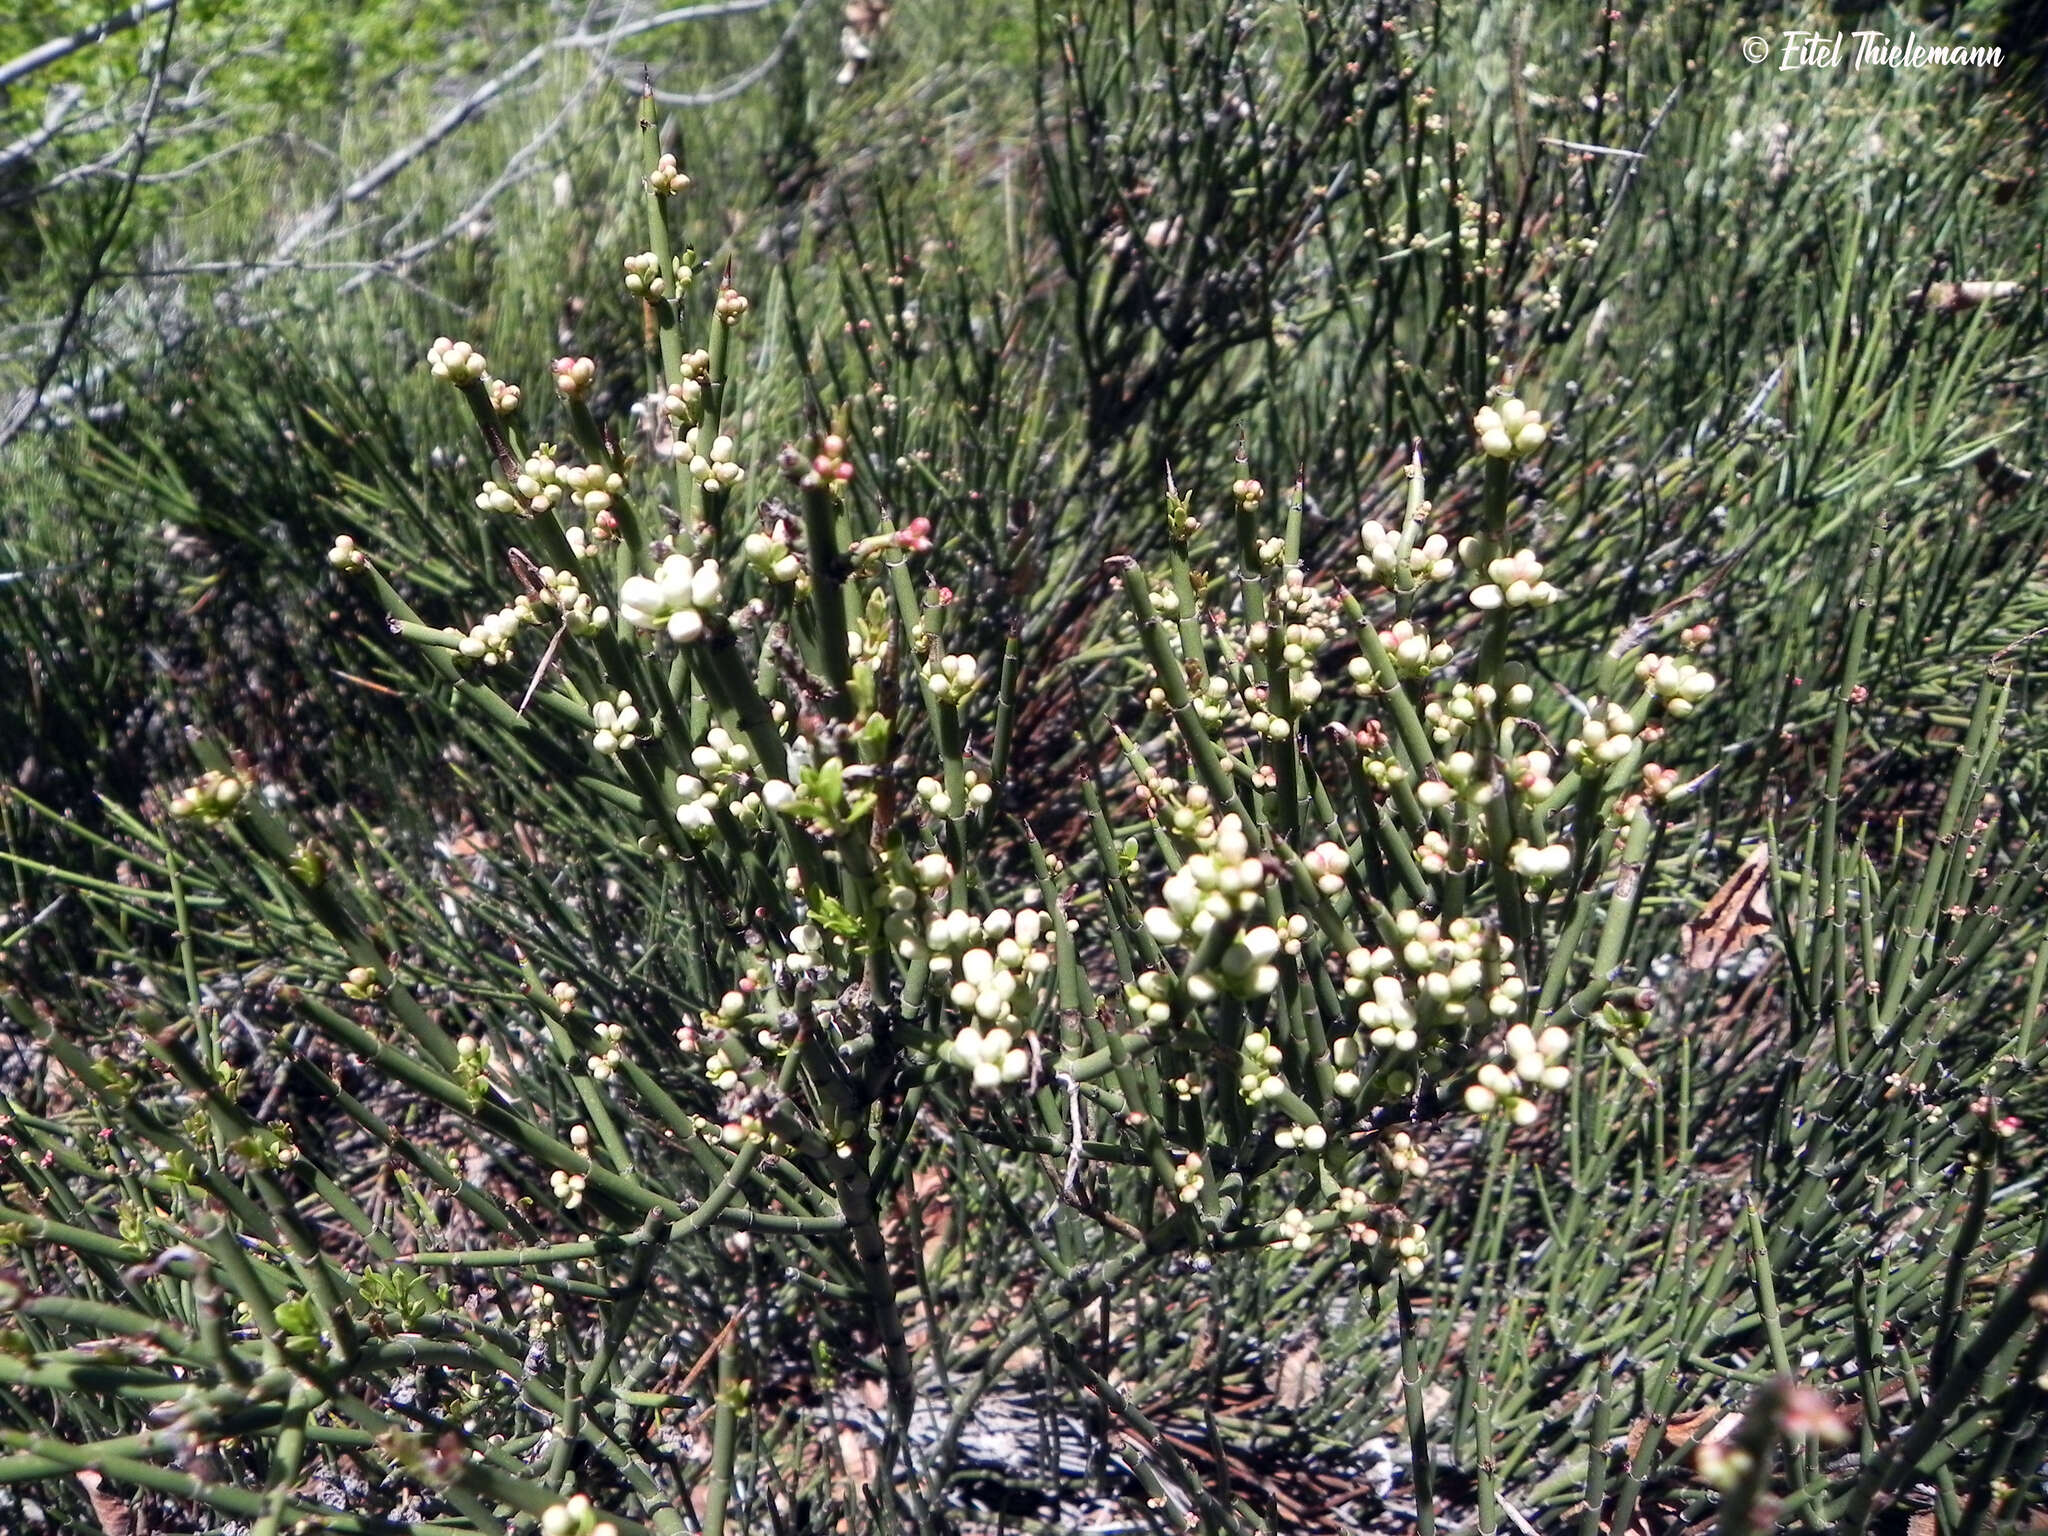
x=617, y=724
x=1434, y=854
x=997, y=957
x=1445, y=963
x=684, y=397
x=573, y=376
x=713, y=467
x=591, y=487
x=1305, y=1138
x=988, y=1056
x=456, y=362
x=505, y=398
x=1188, y=1178
x=1391, y=554
x=577, y=1517
x=495, y=498
x=1461, y=780
x=605, y=1062
x=677, y=597
x=473, y=1065
x=1166, y=603
x=1220, y=882
x=1402, y=1158
x=581, y=613
x=1514, y=581
x=1449, y=718
x=724, y=1052
x=215, y=795
x=1411, y=1251
x=1509, y=429
x=1536, y=1063
x=951, y=678
x=1529, y=776
x=1372, y=1226
x=1448, y=963
x=345, y=555
x=731, y=305
x=996, y=961
x=940, y=803
x=1246, y=967
x=667, y=178
x=538, y=488
x=1186, y=812
x=1606, y=736
x=1149, y=999
x=1307, y=625
x=1478, y=249
x=1258, y=1080
x=1296, y=1230
x=1678, y=684
x=646, y=280
x=1381, y=767
x=770, y=554
x=568, y=1188
x=1327, y=862
x=1213, y=701
x=1388, y=1017
x=719, y=760
x=1547, y=862
x=1409, y=647
x=490, y=640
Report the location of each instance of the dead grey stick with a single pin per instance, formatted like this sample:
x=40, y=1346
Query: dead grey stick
x=25, y=64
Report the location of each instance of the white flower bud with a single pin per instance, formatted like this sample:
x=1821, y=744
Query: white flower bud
x=455, y=362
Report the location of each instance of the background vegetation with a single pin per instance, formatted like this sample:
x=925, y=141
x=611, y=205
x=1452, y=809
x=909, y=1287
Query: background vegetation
x=1788, y=327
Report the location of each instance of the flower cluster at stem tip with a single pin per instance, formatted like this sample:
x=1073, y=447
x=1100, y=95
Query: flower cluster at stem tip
x=677, y=597
x=575, y=1516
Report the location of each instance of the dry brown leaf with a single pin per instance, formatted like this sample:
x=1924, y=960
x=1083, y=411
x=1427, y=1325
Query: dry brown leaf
x=1949, y=298
x=1682, y=1428
x=112, y=1511
x=857, y=1457
x=1734, y=917
x=1301, y=1376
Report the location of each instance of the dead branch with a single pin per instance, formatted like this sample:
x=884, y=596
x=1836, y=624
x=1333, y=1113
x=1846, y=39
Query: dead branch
x=313, y=223
x=387, y=168
x=55, y=111
x=619, y=34
x=743, y=79
x=21, y=66
x=30, y=401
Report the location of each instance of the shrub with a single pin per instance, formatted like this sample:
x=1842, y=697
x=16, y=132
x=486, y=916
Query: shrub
x=766, y=710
